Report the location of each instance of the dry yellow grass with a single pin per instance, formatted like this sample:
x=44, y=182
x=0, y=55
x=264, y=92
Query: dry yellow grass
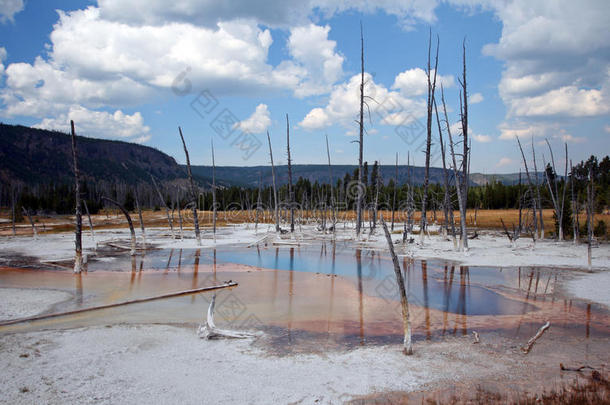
x=485, y=219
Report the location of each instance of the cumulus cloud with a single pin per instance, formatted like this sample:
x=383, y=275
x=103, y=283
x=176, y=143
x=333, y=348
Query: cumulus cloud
x=8, y=9
x=322, y=65
x=476, y=98
x=414, y=82
x=529, y=130
x=555, y=65
x=565, y=101
x=258, y=122
x=504, y=162
x=97, y=63
x=389, y=108
x=272, y=13
x=100, y=124
x=2, y=59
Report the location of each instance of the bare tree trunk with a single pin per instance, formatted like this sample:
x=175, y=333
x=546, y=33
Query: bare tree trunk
x=465, y=161
x=129, y=222
x=590, y=212
x=194, y=193
x=538, y=198
x=179, y=205
x=27, y=214
x=332, y=193
x=259, y=201
x=164, y=204
x=458, y=180
x=361, y=138
x=531, y=187
x=565, y=185
x=404, y=302
x=90, y=223
x=447, y=206
x=139, y=208
x=430, y=101
x=574, y=206
x=394, y=195
x=78, y=241
x=276, y=210
x=214, y=194
x=13, y=191
x=290, y=193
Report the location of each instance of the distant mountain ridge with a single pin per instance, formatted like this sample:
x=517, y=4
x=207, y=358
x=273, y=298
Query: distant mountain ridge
x=34, y=156
x=249, y=176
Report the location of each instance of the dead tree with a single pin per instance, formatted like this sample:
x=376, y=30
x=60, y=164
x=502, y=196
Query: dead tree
x=590, y=212
x=276, y=209
x=129, y=222
x=27, y=214
x=361, y=138
x=164, y=204
x=538, y=199
x=194, y=193
x=430, y=102
x=466, y=151
x=531, y=189
x=404, y=302
x=290, y=192
x=90, y=222
x=214, y=193
x=14, y=194
x=332, y=193
x=259, y=201
x=447, y=205
x=78, y=241
x=574, y=205
x=179, y=205
x=139, y=208
x=558, y=204
x=394, y=194
x=458, y=180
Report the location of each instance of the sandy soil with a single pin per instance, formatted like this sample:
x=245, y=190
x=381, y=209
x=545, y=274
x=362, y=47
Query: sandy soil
x=166, y=364
x=20, y=303
x=169, y=364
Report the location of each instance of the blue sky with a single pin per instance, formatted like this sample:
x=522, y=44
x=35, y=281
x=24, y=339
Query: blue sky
x=534, y=71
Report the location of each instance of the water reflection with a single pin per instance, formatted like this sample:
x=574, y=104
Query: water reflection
x=326, y=290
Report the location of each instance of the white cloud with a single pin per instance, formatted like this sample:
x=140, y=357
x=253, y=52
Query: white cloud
x=555, y=65
x=388, y=107
x=322, y=66
x=480, y=138
x=607, y=128
x=272, y=13
x=2, y=59
x=100, y=124
x=527, y=130
x=97, y=63
x=456, y=130
x=258, y=122
x=8, y=9
x=414, y=82
x=565, y=101
x=504, y=162
x=524, y=130
x=476, y=98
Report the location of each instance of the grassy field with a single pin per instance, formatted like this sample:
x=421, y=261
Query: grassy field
x=108, y=219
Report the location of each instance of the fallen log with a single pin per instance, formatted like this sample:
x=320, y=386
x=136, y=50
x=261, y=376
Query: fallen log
x=526, y=349
x=118, y=304
x=581, y=368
